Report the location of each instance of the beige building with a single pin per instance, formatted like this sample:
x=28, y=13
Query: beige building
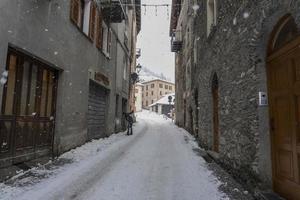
x=138, y=97
x=154, y=90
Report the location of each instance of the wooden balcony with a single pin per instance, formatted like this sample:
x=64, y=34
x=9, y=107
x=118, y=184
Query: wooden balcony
x=176, y=43
x=113, y=11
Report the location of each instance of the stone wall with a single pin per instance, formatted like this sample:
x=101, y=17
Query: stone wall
x=236, y=51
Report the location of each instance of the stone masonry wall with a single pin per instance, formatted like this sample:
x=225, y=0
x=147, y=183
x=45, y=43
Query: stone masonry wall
x=236, y=52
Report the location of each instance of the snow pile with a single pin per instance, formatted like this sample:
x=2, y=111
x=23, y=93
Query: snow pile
x=46, y=180
x=165, y=100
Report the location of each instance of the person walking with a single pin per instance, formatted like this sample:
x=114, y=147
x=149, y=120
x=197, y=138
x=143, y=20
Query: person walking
x=129, y=119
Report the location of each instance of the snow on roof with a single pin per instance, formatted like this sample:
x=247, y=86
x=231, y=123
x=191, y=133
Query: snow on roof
x=164, y=100
x=156, y=79
x=139, y=84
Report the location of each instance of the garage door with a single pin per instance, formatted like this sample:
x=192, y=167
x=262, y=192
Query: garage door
x=96, y=110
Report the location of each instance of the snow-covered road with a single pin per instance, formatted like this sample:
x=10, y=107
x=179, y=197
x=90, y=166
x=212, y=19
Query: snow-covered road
x=156, y=163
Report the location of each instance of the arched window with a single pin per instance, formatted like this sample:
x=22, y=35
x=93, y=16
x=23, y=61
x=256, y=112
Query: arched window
x=285, y=31
x=211, y=15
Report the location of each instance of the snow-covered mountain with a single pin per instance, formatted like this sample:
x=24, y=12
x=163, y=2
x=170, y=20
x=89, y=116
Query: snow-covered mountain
x=148, y=75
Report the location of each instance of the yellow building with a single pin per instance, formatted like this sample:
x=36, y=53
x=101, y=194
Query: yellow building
x=154, y=90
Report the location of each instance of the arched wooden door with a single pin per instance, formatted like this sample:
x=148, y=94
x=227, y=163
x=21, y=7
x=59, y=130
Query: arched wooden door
x=283, y=69
x=215, y=96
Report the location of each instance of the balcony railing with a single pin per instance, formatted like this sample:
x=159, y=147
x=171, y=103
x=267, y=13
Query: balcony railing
x=176, y=41
x=113, y=10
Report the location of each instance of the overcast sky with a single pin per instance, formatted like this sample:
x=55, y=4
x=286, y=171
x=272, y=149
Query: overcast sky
x=154, y=39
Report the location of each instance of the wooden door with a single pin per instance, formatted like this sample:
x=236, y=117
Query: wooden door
x=215, y=95
x=28, y=108
x=284, y=101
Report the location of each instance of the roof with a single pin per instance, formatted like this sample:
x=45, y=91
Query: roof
x=164, y=100
x=139, y=84
x=157, y=79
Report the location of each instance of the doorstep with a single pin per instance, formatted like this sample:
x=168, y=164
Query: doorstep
x=268, y=195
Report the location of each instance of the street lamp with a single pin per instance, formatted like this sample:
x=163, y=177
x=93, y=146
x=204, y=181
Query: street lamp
x=138, y=68
x=134, y=76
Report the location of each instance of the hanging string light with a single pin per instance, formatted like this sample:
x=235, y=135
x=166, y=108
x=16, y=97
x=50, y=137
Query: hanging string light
x=155, y=6
x=168, y=14
x=145, y=10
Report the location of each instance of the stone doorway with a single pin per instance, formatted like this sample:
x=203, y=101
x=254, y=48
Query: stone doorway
x=283, y=71
x=215, y=98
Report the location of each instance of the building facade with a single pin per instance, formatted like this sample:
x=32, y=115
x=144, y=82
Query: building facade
x=65, y=74
x=139, y=97
x=154, y=90
x=242, y=103
x=164, y=106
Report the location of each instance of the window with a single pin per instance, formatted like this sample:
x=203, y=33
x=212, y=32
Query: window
x=160, y=85
x=99, y=37
x=166, y=87
x=76, y=12
x=160, y=92
x=152, y=85
x=106, y=39
x=86, y=17
x=125, y=68
x=152, y=93
x=146, y=103
x=146, y=87
x=83, y=14
x=152, y=101
x=170, y=87
x=146, y=94
x=211, y=15
x=117, y=106
x=166, y=93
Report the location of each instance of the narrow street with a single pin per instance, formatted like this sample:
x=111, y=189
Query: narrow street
x=158, y=162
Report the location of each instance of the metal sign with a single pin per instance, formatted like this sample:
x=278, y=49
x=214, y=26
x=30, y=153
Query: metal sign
x=262, y=99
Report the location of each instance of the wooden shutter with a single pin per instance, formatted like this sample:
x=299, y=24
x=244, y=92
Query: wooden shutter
x=74, y=13
x=99, y=39
x=92, y=20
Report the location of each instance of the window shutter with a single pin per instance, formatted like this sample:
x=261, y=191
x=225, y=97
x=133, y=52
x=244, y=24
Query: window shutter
x=109, y=41
x=74, y=12
x=99, y=39
x=92, y=20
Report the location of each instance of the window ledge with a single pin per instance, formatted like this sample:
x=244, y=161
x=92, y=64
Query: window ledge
x=106, y=55
x=79, y=29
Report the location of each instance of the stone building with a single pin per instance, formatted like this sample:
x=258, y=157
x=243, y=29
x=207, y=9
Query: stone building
x=155, y=89
x=65, y=73
x=241, y=95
